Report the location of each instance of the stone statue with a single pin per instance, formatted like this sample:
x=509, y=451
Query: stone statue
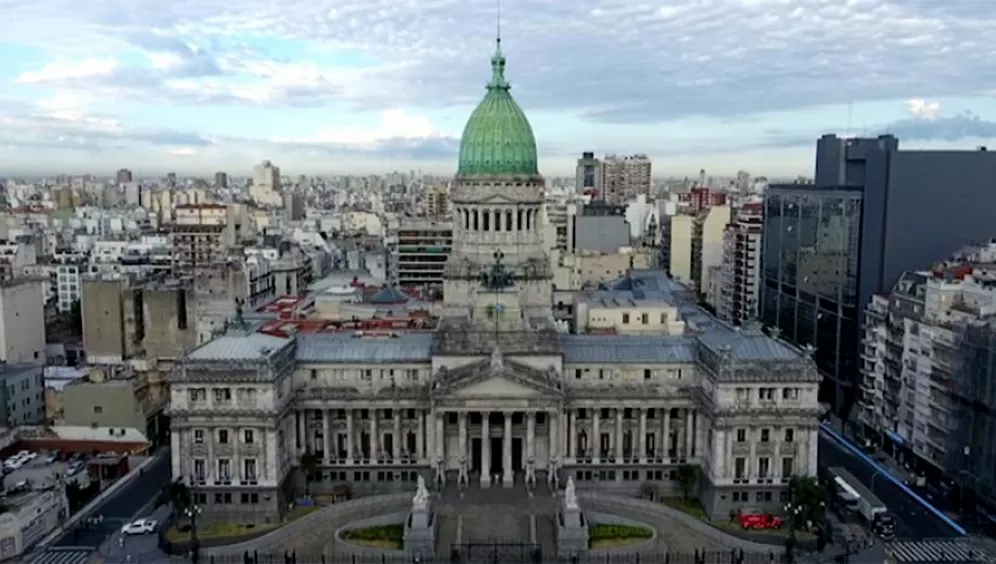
x=570, y=495
x=421, y=499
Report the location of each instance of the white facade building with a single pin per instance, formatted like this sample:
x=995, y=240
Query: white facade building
x=497, y=395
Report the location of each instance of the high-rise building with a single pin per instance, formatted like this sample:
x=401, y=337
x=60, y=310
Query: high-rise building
x=422, y=248
x=700, y=198
x=123, y=176
x=928, y=362
x=171, y=180
x=265, y=183
x=220, y=180
x=738, y=292
x=873, y=213
x=694, y=245
x=625, y=177
x=437, y=202
x=588, y=175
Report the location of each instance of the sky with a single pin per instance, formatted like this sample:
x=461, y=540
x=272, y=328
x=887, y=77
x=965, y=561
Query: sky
x=346, y=87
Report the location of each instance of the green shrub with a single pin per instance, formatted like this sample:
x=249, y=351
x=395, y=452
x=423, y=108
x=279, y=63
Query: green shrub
x=617, y=532
x=386, y=533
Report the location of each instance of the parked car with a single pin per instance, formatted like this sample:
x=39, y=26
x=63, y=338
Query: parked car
x=52, y=457
x=756, y=520
x=75, y=468
x=140, y=527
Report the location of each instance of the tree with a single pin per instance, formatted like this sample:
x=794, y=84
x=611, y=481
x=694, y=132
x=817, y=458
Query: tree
x=809, y=495
x=309, y=468
x=76, y=317
x=688, y=477
x=177, y=495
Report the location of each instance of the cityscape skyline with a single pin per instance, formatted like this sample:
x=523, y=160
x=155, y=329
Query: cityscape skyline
x=350, y=89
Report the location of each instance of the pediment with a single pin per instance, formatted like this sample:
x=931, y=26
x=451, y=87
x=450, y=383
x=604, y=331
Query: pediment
x=497, y=199
x=487, y=380
x=497, y=387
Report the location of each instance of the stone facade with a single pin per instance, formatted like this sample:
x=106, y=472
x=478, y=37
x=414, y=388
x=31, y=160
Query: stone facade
x=497, y=392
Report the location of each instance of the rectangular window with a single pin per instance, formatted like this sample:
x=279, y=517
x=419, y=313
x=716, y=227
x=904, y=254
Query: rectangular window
x=223, y=436
x=739, y=468
x=248, y=436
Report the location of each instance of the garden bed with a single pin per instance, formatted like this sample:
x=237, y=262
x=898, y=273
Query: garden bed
x=602, y=537
x=233, y=531
x=386, y=537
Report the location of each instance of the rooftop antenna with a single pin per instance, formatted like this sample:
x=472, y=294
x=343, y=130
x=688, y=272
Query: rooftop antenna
x=498, y=36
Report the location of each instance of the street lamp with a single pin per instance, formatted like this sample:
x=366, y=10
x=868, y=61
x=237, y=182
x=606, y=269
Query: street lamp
x=793, y=511
x=871, y=486
x=192, y=513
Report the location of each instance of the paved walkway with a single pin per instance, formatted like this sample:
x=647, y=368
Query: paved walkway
x=315, y=533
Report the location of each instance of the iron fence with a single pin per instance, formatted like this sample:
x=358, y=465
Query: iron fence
x=502, y=557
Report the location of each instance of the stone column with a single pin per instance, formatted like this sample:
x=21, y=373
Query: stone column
x=718, y=454
x=440, y=438
x=812, y=453
x=349, y=437
x=775, y=466
x=751, y=458
x=596, y=438
x=462, y=420
x=485, y=450
x=397, y=440
x=531, y=435
x=689, y=433
x=327, y=420
x=506, y=443
x=571, y=435
x=420, y=438
x=667, y=432
x=553, y=422
x=374, y=439
x=642, y=439
x=619, y=435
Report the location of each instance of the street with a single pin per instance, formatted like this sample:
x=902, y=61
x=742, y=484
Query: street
x=120, y=507
x=914, y=521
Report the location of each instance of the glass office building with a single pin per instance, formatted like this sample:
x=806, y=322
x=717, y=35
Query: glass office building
x=810, y=273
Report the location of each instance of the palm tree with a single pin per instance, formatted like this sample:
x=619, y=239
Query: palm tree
x=309, y=468
x=688, y=476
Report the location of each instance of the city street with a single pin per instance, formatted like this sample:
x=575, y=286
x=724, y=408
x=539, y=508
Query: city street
x=120, y=507
x=915, y=521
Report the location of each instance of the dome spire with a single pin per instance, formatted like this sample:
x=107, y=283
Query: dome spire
x=498, y=81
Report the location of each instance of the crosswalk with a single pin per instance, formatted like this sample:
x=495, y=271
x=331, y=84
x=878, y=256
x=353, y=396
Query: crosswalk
x=937, y=552
x=63, y=556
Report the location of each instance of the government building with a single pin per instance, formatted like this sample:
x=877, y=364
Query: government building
x=501, y=394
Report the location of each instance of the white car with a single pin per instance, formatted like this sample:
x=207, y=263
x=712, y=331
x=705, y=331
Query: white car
x=28, y=456
x=140, y=527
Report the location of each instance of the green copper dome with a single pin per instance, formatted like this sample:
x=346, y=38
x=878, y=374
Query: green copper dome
x=498, y=139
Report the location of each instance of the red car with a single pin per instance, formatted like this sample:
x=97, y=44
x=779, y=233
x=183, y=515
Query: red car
x=758, y=521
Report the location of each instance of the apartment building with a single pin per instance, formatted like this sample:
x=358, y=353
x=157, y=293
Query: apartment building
x=22, y=321
x=588, y=175
x=625, y=177
x=927, y=364
x=437, y=202
x=422, y=248
x=22, y=394
x=739, y=274
x=695, y=246
x=266, y=184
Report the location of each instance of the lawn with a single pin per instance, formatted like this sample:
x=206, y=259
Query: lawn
x=694, y=509
x=615, y=536
x=220, y=530
x=386, y=537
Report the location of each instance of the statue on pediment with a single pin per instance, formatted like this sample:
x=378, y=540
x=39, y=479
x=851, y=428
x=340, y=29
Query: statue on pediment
x=498, y=277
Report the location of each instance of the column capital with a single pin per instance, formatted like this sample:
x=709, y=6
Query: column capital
x=507, y=413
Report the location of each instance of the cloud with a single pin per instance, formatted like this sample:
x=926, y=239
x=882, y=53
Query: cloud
x=954, y=128
x=923, y=109
x=608, y=61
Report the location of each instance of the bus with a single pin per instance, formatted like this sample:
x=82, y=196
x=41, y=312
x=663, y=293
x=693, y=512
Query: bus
x=851, y=497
